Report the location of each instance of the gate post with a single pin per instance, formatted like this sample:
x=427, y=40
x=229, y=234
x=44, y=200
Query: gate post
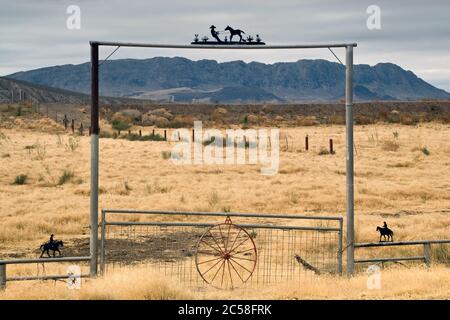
x=2, y=276
x=349, y=160
x=93, y=244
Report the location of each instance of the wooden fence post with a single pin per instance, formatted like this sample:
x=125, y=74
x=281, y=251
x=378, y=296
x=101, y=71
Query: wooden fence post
x=427, y=253
x=331, y=146
x=73, y=126
x=165, y=135
x=140, y=133
x=306, y=143
x=153, y=133
x=2, y=276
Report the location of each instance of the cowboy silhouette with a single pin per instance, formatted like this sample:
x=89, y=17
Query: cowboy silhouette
x=214, y=33
x=385, y=225
x=51, y=239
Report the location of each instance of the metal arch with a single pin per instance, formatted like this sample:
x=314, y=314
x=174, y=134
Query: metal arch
x=228, y=46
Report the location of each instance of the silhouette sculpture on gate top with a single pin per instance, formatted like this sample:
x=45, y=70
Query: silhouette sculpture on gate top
x=228, y=38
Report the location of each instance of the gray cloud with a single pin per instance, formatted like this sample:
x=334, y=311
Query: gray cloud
x=414, y=34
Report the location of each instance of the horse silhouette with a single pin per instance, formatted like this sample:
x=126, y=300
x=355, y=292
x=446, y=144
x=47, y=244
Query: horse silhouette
x=386, y=232
x=234, y=32
x=54, y=246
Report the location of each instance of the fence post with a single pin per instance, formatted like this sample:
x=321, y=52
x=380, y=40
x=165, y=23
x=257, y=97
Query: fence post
x=153, y=133
x=427, y=253
x=331, y=146
x=102, y=244
x=73, y=126
x=165, y=135
x=306, y=143
x=2, y=276
x=339, y=255
x=140, y=133
x=193, y=135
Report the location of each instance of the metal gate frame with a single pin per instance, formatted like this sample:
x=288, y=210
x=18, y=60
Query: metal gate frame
x=95, y=129
x=105, y=223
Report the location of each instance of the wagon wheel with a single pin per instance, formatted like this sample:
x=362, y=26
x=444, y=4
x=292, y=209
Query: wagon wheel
x=226, y=255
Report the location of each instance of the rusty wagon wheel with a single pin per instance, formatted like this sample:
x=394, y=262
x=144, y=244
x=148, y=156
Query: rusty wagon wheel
x=226, y=255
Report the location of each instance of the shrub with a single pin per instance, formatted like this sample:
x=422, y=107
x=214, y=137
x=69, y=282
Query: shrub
x=390, y=145
x=72, y=144
x=136, y=137
x=306, y=121
x=166, y=155
x=408, y=119
x=364, y=120
x=120, y=122
x=323, y=151
x=219, y=114
x=20, y=179
x=425, y=151
x=66, y=176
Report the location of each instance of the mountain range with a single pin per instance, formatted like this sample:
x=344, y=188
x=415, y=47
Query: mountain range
x=183, y=80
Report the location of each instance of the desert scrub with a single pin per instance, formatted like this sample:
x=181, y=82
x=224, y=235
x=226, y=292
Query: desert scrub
x=72, y=144
x=20, y=179
x=65, y=177
x=323, y=151
x=390, y=145
x=166, y=155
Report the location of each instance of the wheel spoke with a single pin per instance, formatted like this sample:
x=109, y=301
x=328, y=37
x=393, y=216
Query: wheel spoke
x=246, y=239
x=241, y=265
x=215, y=264
x=228, y=236
x=206, y=261
x=212, y=247
x=215, y=275
x=237, y=236
x=231, y=278
x=236, y=272
x=214, y=238
x=223, y=239
x=246, y=250
x=240, y=258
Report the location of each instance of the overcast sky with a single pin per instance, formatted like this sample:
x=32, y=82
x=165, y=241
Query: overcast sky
x=414, y=34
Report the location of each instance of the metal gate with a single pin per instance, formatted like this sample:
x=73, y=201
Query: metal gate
x=287, y=247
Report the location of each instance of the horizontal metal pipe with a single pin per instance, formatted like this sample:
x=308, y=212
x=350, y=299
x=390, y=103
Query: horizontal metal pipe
x=390, y=259
x=224, y=214
x=206, y=225
x=228, y=46
x=398, y=243
x=45, y=260
x=56, y=277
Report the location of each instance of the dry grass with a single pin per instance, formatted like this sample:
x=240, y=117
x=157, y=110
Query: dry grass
x=140, y=283
x=406, y=188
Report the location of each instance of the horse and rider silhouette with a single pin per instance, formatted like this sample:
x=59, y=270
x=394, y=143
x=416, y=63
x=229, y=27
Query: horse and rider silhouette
x=385, y=232
x=52, y=245
x=233, y=32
